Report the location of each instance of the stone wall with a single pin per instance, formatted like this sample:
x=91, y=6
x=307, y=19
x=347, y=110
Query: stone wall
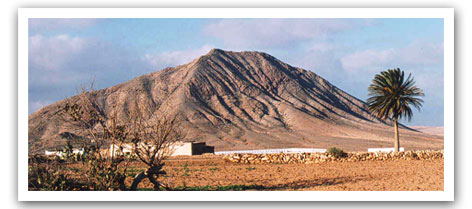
x=308, y=158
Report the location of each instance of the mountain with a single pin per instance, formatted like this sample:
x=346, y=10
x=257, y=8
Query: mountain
x=241, y=100
x=433, y=130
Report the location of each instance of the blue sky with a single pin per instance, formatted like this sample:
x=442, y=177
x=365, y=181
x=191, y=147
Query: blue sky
x=67, y=53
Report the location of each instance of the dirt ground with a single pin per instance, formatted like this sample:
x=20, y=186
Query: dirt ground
x=397, y=175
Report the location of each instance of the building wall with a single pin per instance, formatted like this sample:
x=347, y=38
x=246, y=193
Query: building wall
x=200, y=148
x=192, y=148
x=182, y=148
x=127, y=149
x=179, y=148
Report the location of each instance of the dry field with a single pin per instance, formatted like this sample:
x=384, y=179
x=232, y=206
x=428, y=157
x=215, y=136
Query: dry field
x=211, y=172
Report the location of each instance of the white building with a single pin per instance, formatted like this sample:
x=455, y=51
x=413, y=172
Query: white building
x=176, y=149
x=60, y=153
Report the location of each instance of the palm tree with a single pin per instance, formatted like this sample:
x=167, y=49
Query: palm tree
x=391, y=96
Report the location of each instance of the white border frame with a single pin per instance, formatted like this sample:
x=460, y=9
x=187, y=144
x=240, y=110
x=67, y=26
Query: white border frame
x=446, y=13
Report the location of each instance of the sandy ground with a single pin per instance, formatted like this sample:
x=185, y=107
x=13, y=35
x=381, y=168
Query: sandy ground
x=398, y=175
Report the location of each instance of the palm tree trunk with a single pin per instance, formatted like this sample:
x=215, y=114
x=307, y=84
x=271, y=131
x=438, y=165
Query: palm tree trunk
x=397, y=137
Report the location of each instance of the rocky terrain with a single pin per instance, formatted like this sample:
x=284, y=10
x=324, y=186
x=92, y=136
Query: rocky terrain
x=240, y=100
x=308, y=158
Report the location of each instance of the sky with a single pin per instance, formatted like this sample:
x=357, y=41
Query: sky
x=65, y=54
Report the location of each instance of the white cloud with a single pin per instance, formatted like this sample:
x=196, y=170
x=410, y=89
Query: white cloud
x=368, y=58
x=173, y=58
x=58, y=65
x=276, y=32
x=51, y=53
x=413, y=55
x=56, y=23
x=321, y=47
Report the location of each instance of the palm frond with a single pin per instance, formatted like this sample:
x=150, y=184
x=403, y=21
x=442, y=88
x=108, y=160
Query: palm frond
x=392, y=95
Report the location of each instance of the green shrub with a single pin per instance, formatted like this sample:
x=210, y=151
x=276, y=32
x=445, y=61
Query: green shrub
x=336, y=152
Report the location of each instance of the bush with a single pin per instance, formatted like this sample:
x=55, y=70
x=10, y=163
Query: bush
x=336, y=152
x=46, y=175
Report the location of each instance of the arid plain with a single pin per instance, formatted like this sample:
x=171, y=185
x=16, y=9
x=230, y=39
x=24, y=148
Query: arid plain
x=213, y=173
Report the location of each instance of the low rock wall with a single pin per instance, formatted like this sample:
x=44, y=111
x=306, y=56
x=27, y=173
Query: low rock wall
x=308, y=158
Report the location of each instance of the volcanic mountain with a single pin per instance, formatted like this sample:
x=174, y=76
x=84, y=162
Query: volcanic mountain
x=241, y=100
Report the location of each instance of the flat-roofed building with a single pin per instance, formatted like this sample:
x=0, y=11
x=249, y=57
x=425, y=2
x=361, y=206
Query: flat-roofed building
x=177, y=148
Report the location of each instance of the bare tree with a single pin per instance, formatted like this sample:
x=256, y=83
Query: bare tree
x=154, y=139
x=152, y=135
x=104, y=169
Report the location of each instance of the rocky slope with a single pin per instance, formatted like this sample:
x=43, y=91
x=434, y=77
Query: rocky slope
x=241, y=100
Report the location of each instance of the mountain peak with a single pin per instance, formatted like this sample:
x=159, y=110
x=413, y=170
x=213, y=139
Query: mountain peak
x=215, y=51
